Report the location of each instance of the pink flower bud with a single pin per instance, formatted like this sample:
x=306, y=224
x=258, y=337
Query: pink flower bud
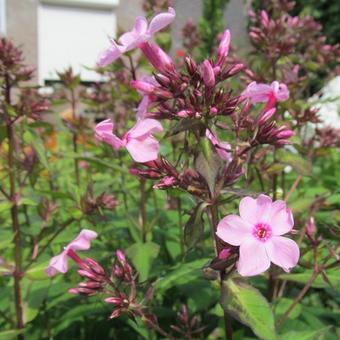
x=311, y=227
x=143, y=86
x=184, y=113
x=224, y=253
x=266, y=115
x=285, y=134
x=208, y=74
x=223, y=48
x=120, y=256
x=157, y=57
x=264, y=18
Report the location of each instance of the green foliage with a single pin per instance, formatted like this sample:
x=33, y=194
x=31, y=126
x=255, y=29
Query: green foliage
x=211, y=24
x=249, y=306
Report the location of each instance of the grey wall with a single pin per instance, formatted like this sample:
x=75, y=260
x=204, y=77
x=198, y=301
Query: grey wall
x=22, y=27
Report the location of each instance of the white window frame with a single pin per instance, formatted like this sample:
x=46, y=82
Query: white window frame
x=99, y=4
x=3, y=28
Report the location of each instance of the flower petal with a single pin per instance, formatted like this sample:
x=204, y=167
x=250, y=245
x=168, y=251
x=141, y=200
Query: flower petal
x=281, y=218
x=233, y=230
x=145, y=127
x=109, y=55
x=254, y=211
x=283, y=251
x=83, y=240
x=143, y=150
x=57, y=263
x=161, y=20
x=103, y=132
x=253, y=258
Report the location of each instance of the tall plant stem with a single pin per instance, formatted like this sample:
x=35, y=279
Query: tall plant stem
x=75, y=137
x=298, y=298
x=15, y=219
x=142, y=212
x=180, y=225
x=213, y=221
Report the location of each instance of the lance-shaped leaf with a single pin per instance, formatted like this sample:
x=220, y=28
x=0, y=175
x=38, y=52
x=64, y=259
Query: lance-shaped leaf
x=246, y=304
x=208, y=165
x=194, y=228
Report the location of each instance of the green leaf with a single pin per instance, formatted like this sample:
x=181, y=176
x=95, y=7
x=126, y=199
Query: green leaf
x=31, y=137
x=12, y=334
x=180, y=274
x=333, y=276
x=37, y=272
x=299, y=164
x=142, y=256
x=208, y=166
x=283, y=304
x=194, y=228
x=246, y=304
x=305, y=335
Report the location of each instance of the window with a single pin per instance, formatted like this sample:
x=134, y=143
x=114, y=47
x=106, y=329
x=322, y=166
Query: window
x=72, y=36
x=2, y=17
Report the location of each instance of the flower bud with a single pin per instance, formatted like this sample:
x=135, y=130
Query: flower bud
x=157, y=57
x=311, y=227
x=208, y=74
x=223, y=48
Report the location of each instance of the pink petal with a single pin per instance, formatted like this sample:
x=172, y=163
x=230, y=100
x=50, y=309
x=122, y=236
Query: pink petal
x=103, y=132
x=233, y=230
x=222, y=148
x=257, y=93
x=145, y=127
x=83, y=240
x=253, y=258
x=134, y=38
x=141, y=25
x=57, y=264
x=143, y=107
x=254, y=211
x=109, y=55
x=281, y=218
x=283, y=251
x=161, y=20
x=143, y=150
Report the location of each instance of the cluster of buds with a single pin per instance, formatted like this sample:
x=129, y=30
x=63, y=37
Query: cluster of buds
x=12, y=68
x=162, y=170
x=31, y=104
x=191, y=35
x=96, y=278
x=328, y=137
x=156, y=6
x=192, y=94
x=186, y=327
x=89, y=203
x=286, y=34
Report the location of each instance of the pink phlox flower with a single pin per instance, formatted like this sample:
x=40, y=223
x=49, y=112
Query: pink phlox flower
x=264, y=93
x=59, y=263
x=257, y=231
x=223, y=149
x=141, y=33
x=139, y=142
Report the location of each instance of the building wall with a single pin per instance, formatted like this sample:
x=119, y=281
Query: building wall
x=22, y=22
x=22, y=27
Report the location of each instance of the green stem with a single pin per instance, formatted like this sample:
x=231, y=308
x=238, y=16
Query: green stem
x=15, y=218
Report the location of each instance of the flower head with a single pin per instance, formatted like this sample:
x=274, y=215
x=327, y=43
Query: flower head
x=141, y=33
x=139, y=142
x=257, y=231
x=264, y=93
x=59, y=263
